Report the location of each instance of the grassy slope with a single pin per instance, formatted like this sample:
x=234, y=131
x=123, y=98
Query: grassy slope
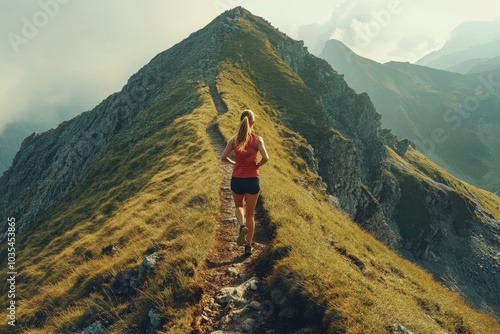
x=324, y=283
x=417, y=161
x=414, y=101
x=161, y=189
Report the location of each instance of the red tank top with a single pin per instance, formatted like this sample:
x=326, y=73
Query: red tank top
x=246, y=161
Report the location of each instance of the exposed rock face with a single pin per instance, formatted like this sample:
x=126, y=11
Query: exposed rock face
x=147, y=266
x=10, y=141
x=154, y=319
x=95, y=328
x=412, y=100
x=352, y=160
x=340, y=166
x=451, y=235
x=399, y=146
x=49, y=164
x=398, y=329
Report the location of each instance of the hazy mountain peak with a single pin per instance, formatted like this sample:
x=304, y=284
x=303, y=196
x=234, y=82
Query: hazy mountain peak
x=342, y=50
x=464, y=36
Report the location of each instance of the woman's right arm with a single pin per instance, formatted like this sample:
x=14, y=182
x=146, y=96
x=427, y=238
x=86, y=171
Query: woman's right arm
x=263, y=152
x=225, y=155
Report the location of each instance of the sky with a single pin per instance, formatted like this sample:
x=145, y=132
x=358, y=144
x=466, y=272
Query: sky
x=59, y=58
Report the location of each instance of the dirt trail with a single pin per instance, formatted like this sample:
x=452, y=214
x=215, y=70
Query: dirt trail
x=235, y=299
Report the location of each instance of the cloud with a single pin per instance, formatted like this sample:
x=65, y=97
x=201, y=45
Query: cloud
x=393, y=29
x=76, y=53
x=358, y=24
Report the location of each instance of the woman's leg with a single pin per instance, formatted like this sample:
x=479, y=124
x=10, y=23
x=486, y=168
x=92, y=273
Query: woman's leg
x=251, y=203
x=238, y=203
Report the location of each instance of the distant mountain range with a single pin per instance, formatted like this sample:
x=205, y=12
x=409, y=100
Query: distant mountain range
x=117, y=209
x=476, y=53
x=453, y=118
x=469, y=44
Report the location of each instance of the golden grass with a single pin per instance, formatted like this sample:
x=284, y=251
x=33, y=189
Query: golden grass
x=176, y=206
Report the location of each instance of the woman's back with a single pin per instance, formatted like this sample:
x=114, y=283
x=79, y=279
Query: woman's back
x=246, y=160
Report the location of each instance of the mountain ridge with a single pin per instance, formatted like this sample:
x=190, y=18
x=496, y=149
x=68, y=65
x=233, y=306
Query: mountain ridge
x=151, y=200
x=433, y=109
x=487, y=50
x=466, y=35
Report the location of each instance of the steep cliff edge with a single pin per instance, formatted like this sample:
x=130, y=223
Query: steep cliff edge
x=450, y=117
x=451, y=228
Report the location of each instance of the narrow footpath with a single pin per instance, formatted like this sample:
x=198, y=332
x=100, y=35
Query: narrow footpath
x=235, y=298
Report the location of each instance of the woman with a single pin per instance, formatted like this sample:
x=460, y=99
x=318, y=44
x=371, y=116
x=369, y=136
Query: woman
x=245, y=182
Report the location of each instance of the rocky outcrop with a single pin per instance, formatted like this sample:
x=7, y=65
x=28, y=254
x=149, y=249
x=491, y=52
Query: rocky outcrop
x=95, y=328
x=398, y=146
x=450, y=234
x=398, y=329
x=352, y=156
x=242, y=312
x=340, y=167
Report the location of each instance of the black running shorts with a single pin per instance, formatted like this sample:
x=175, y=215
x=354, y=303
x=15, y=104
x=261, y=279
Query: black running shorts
x=249, y=185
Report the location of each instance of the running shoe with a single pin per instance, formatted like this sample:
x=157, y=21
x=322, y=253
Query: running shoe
x=242, y=236
x=248, y=250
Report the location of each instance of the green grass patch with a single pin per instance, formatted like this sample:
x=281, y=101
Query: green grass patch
x=488, y=200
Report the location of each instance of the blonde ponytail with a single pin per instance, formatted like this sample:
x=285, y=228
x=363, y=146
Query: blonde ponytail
x=243, y=136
